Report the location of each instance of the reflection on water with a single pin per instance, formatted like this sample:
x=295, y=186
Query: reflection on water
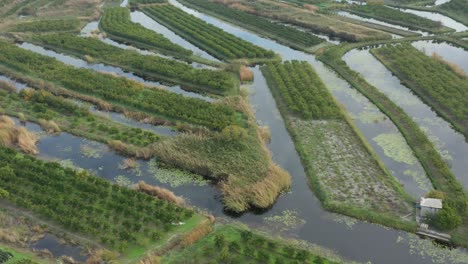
x=450, y=143
x=375, y=21
x=449, y=52
x=445, y=20
x=57, y=248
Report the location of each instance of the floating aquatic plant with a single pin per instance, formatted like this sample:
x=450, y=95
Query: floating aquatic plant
x=288, y=219
x=175, y=177
x=92, y=150
x=420, y=178
x=395, y=147
x=122, y=180
x=426, y=248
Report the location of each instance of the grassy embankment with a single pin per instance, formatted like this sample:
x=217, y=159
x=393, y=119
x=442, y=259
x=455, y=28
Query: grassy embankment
x=218, y=82
x=317, y=22
x=210, y=38
x=344, y=172
x=397, y=17
x=440, y=85
x=285, y=35
x=237, y=244
x=226, y=145
x=436, y=168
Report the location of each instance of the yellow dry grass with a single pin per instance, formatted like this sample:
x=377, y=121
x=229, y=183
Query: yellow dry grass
x=159, y=192
x=49, y=126
x=245, y=74
x=12, y=136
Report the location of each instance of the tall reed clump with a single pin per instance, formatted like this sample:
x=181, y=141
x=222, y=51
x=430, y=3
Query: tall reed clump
x=12, y=136
x=49, y=126
x=7, y=86
x=161, y=193
x=245, y=74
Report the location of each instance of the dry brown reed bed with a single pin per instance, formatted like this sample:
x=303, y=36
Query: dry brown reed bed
x=245, y=74
x=159, y=192
x=12, y=136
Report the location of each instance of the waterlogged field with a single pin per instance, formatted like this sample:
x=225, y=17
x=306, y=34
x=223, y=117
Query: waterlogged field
x=438, y=83
x=215, y=41
x=284, y=34
x=118, y=26
x=148, y=66
x=314, y=21
x=344, y=172
x=395, y=16
x=348, y=175
x=104, y=219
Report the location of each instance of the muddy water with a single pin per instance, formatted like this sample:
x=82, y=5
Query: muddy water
x=451, y=144
x=375, y=21
x=449, y=52
x=445, y=20
x=79, y=63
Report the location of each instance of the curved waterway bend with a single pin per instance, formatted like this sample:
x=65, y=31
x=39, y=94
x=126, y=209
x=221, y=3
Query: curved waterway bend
x=351, y=238
x=451, y=144
x=79, y=63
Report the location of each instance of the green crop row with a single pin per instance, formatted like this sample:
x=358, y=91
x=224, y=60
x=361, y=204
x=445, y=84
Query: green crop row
x=118, y=90
x=47, y=25
x=115, y=215
x=433, y=80
x=116, y=22
x=303, y=91
x=206, y=36
x=152, y=67
x=285, y=34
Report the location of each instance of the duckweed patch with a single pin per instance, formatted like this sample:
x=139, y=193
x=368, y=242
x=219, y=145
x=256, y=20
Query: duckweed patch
x=430, y=250
x=395, y=147
x=173, y=176
x=122, y=180
x=287, y=220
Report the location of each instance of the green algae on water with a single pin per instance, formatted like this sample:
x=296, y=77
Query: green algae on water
x=175, y=177
x=395, y=147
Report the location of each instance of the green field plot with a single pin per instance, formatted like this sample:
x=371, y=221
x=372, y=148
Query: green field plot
x=117, y=90
x=212, y=39
x=284, y=34
x=113, y=215
x=439, y=84
x=231, y=244
x=47, y=26
x=344, y=172
x=117, y=24
x=401, y=18
x=152, y=67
